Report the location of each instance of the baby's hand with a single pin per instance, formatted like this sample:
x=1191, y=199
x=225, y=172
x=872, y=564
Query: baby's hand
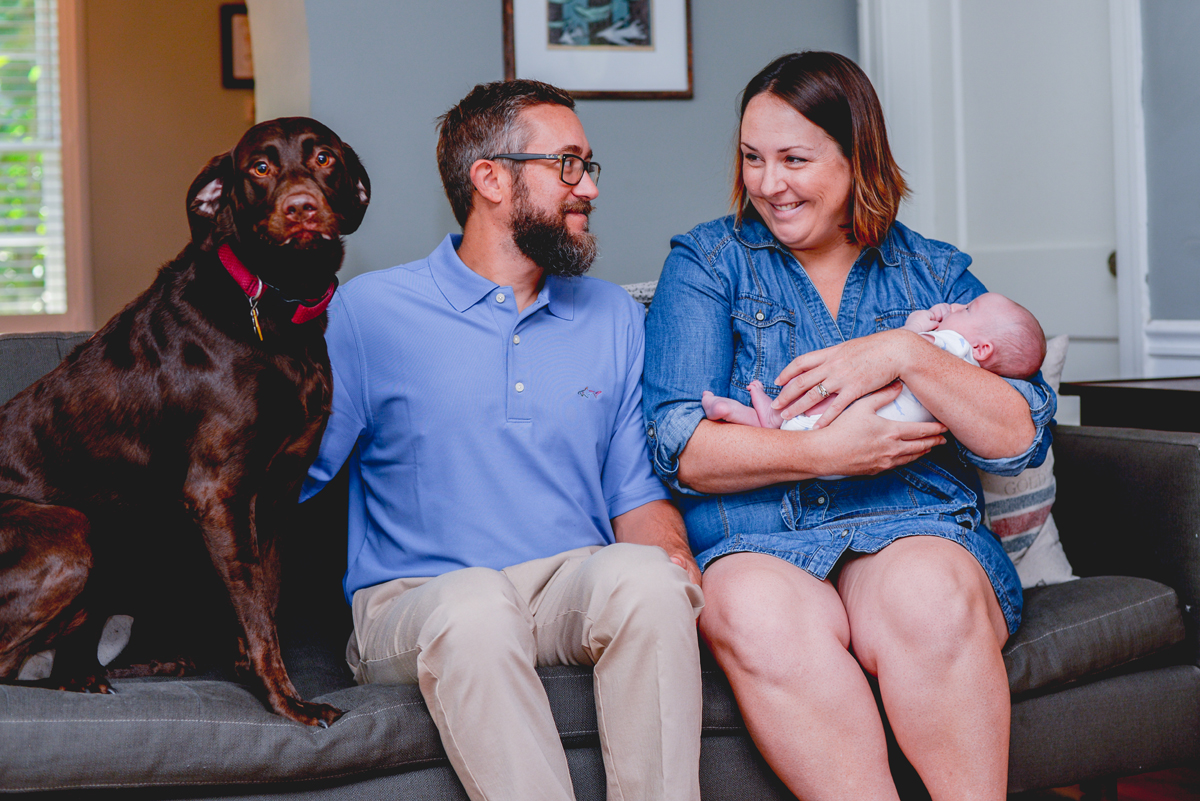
x=921, y=321
x=927, y=319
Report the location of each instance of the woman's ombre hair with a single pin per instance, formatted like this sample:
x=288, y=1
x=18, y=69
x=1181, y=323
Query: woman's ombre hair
x=832, y=92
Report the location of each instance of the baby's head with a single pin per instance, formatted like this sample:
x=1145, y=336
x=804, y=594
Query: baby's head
x=1007, y=339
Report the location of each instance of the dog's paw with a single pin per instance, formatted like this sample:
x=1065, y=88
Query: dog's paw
x=180, y=666
x=86, y=684
x=308, y=713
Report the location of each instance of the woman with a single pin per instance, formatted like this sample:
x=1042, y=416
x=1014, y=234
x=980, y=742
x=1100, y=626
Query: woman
x=808, y=582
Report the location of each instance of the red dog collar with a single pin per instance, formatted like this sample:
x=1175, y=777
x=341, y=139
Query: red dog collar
x=253, y=286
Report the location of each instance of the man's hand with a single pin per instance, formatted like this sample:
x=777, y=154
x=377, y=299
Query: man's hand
x=658, y=523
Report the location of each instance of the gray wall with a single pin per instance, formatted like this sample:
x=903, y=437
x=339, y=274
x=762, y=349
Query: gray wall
x=1172, y=104
x=383, y=71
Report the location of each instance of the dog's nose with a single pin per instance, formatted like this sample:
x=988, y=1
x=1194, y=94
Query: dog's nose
x=300, y=206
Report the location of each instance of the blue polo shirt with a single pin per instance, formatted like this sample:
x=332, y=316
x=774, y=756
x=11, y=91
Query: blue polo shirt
x=480, y=436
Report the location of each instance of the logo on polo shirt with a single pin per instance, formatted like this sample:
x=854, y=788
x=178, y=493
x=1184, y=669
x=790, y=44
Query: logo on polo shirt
x=591, y=394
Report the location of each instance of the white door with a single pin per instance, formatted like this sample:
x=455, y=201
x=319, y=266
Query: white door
x=1001, y=116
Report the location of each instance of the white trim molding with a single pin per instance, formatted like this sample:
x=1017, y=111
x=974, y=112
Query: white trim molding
x=895, y=45
x=282, y=73
x=1129, y=153
x=1172, y=348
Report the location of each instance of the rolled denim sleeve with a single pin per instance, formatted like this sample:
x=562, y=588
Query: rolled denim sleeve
x=1043, y=403
x=689, y=349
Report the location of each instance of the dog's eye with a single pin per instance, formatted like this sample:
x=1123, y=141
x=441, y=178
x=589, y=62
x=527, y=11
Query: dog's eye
x=261, y=168
x=324, y=158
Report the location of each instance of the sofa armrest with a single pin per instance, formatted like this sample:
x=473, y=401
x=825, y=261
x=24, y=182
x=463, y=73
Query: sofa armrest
x=1128, y=503
x=24, y=358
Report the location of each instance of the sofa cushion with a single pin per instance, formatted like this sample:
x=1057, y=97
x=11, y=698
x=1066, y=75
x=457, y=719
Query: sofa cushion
x=168, y=732
x=197, y=732
x=28, y=357
x=1073, y=630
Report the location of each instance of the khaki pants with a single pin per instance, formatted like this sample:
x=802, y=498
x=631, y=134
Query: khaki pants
x=471, y=638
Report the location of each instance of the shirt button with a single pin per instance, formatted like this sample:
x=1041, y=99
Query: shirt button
x=759, y=316
x=520, y=387
x=821, y=501
x=499, y=297
x=516, y=339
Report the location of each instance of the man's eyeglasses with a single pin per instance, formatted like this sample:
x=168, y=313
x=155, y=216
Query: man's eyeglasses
x=571, y=167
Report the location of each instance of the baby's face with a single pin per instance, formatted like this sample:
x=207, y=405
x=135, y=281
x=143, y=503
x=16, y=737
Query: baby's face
x=976, y=320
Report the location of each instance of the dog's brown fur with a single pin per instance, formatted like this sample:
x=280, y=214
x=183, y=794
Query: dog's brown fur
x=176, y=412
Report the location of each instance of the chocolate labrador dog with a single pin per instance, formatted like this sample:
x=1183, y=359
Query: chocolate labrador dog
x=170, y=442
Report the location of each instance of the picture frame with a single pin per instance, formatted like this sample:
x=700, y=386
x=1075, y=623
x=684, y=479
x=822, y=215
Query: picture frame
x=237, y=60
x=602, y=49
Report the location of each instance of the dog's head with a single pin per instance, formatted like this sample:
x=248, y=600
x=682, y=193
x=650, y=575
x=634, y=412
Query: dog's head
x=289, y=186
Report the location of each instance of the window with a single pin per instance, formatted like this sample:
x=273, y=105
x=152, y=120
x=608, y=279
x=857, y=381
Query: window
x=36, y=286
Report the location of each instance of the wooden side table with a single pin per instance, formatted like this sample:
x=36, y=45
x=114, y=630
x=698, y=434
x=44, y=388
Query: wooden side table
x=1162, y=404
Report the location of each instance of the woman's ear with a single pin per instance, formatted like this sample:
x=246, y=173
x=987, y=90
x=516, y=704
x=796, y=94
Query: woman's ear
x=491, y=184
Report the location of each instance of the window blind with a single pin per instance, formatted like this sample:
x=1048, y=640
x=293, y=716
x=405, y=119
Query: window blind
x=32, y=259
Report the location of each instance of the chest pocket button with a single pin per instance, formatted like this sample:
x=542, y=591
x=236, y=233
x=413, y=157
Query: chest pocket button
x=759, y=316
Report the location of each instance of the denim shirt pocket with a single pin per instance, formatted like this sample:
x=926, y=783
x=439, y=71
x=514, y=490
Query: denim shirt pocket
x=764, y=340
x=918, y=489
x=943, y=492
x=888, y=320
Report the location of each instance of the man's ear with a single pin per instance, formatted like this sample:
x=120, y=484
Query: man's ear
x=207, y=197
x=982, y=352
x=490, y=182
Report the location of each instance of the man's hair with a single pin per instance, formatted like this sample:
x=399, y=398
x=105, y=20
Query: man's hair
x=830, y=91
x=485, y=123
x=1019, y=344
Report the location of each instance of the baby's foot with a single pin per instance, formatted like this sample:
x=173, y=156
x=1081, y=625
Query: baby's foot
x=727, y=410
x=767, y=417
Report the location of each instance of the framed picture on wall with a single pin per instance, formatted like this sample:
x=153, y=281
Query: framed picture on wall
x=237, y=60
x=630, y=49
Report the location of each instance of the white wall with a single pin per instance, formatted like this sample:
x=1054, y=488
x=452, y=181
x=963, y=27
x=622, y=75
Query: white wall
x=383, y=71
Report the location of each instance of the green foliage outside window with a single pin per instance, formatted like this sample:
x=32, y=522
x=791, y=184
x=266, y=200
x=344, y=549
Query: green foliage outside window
x=29, y=206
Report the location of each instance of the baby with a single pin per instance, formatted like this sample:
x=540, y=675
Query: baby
x=991, y=331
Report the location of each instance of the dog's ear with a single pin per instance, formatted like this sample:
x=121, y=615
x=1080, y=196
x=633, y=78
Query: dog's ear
x=360, y=191
x=205, y=199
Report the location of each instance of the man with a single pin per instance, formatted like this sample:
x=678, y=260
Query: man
x=488, y=398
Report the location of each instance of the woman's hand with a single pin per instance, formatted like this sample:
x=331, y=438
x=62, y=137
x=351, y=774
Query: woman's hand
x=851, y=370
x=723, y=457
x=867, y=444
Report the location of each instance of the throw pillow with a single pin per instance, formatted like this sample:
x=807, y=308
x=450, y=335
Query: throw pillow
x=1017, y=508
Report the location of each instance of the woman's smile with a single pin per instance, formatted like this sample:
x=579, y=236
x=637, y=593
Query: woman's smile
x=795, y=176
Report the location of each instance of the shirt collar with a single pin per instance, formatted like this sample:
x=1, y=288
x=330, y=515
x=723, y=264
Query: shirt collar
x=463, y=287
x=753, y=233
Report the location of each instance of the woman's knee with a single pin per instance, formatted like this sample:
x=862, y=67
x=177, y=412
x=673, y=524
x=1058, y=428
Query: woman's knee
x=769, y=622
x=932, y=596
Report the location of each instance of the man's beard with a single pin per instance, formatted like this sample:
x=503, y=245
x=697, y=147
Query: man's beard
x=545, y=239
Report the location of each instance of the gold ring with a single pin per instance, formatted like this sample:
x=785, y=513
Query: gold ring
x=821, y=389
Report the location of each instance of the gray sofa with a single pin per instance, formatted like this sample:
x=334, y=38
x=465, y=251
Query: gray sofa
x=1104, y=671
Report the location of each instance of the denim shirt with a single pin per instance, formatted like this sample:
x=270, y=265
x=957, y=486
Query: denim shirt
x=734, y=305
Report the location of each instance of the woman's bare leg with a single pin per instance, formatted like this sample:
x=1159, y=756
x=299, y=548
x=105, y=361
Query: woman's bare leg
x=925, y=621
x=782, y=636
